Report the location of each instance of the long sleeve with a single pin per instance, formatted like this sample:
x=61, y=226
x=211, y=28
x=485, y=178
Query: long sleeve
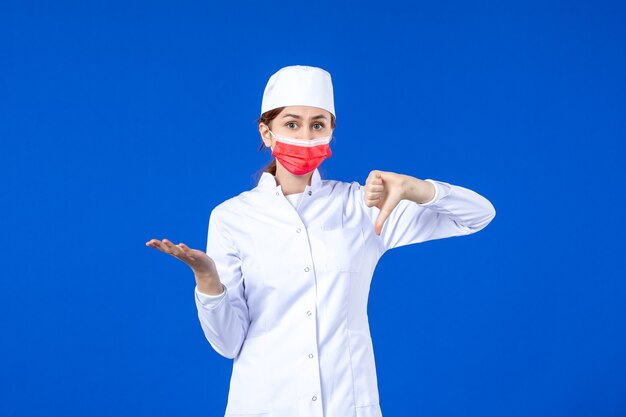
x=454, y=211
x=207, y=299
x=224, y=318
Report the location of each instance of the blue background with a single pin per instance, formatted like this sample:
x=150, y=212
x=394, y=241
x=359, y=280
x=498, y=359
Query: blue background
x=123, y=122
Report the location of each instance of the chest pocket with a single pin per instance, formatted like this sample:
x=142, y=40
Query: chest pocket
x=344, y=248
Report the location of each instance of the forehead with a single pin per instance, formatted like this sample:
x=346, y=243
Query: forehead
x=304, y=111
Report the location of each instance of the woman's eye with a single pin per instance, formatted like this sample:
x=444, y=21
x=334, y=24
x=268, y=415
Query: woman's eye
x=318, y=126
x=291, y=125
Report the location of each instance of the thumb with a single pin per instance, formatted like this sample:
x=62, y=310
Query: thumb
x=385, y=211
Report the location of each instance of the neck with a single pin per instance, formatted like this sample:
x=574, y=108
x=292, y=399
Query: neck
x=289, y=183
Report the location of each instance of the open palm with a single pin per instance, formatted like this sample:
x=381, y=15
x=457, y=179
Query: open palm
x=198, y=261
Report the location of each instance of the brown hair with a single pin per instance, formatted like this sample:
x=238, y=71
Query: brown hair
x=266, y=118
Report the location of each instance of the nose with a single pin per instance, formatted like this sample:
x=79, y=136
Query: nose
x=310, y=134
x=304, y=136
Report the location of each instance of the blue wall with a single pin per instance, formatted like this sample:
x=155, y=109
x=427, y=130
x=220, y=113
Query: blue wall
x=120, y=123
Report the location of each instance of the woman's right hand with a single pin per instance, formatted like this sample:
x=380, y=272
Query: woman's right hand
x=200, y=263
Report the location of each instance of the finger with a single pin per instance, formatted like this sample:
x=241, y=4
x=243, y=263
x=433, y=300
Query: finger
x=186, y=250
x=380, y=221
x=372, y=178
x=385, y=211
x=172, y=249
x=164, y=246
x=368, y=193
x=373, y=197
x=155, y=243
x=189, y=250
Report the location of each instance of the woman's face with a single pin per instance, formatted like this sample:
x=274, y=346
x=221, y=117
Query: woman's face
x=299, y=122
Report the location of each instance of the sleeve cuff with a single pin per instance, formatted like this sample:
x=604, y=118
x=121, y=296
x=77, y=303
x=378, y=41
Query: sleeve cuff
x=209, y=300
x=437, y=194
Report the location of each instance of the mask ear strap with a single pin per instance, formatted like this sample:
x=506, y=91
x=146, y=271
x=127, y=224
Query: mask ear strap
x=271, y=133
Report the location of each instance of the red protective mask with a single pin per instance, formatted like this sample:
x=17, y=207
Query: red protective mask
x=301, y=156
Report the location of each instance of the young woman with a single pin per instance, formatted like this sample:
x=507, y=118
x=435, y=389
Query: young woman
x=283, y=286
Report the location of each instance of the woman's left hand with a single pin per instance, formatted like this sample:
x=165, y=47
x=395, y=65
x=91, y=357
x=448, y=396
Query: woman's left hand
x=384, y=189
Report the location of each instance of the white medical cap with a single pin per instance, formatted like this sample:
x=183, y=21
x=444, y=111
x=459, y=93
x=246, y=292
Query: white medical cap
x=299, y=85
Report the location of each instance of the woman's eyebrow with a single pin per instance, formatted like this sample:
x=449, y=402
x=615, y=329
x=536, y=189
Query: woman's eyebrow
x=295, y=116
